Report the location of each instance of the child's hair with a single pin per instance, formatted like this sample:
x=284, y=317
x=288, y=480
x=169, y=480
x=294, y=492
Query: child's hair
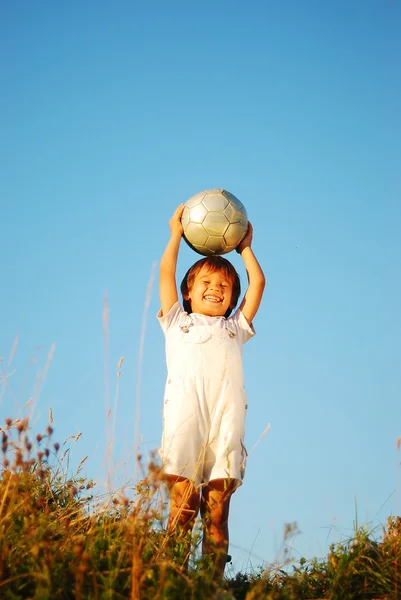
x=212, y=264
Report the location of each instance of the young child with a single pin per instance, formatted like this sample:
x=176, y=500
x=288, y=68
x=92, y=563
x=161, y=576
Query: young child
x=203, y=448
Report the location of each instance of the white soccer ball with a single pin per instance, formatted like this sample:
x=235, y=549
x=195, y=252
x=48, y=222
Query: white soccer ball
x=214, y=222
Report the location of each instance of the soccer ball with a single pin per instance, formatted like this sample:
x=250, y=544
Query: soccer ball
x=214, y=222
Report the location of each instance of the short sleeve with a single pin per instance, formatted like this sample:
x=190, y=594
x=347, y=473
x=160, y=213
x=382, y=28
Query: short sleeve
x=174, y=317
x=241, y=326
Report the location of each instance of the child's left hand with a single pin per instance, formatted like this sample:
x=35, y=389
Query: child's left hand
x=247, y=241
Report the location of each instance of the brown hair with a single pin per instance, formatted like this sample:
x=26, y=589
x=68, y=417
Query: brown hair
x=212, y=264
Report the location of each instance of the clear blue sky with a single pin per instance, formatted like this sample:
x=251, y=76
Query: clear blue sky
x=114, y=113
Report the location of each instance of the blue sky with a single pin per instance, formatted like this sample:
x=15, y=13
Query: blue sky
x=114, y=113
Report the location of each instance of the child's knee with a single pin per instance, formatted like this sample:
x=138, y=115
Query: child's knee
x=181, y=515
x=216, y=504
x=184, y=503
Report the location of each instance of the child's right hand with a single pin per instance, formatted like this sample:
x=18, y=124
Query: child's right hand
x=175, y=221
x=247, y=241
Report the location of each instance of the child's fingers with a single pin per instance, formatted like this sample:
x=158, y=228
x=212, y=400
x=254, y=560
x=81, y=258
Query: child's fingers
x=250, y=229
x=175, y=221
x=249, y=233
x=178, y=212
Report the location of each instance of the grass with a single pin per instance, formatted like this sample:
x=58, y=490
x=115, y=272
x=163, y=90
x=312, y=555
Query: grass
x=59, y=539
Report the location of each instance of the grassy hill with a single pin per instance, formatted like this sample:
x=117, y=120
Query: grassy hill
x=60, y=540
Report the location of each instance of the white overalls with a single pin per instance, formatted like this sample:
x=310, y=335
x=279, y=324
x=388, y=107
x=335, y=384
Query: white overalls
x=205, y=401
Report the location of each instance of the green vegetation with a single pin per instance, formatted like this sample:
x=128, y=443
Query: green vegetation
x=58, y=540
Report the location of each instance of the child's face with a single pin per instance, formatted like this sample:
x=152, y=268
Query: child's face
x=211, y=293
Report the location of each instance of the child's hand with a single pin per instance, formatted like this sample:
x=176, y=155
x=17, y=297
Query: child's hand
x=175, y=221
x=247, y=241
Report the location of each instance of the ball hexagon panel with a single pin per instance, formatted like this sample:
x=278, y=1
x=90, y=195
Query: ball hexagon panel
x=195, y=199
x=229, y=249
x=186, y=217
x=202, y=250
x=215, y=223
x=235, y=234
x=215, y=201
x=216, y=244
x=197, y=213
x=232, y=213
x=196, y=234
x=231, y=197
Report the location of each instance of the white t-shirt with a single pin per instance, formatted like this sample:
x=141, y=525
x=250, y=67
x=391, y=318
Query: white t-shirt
x=198, y=344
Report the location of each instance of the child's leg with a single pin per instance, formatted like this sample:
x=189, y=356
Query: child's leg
x=184, y=503
x=215, y=506
x=184, y=507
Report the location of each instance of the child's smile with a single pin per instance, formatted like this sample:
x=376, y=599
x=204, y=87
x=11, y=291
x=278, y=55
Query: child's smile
x=211, y=293
x=210, y=298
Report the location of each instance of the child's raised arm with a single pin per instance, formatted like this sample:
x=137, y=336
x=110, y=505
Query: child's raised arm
x=256, y=279
x=168, y=263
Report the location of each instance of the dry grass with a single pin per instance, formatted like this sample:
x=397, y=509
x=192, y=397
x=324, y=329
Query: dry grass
x=60, y=540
